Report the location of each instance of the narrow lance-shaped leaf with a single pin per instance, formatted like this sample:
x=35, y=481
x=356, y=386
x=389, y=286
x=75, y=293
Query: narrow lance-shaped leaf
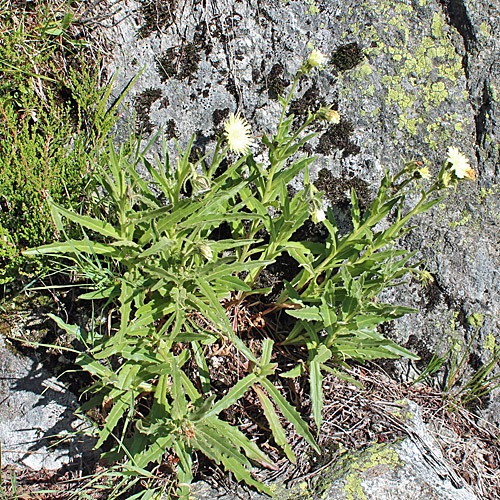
x=87, y=222
x=235, y=393
x=322, y=355
x=274, y=423
x=290, y=413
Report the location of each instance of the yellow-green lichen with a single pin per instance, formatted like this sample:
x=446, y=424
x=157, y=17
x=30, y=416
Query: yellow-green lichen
x=378, y=456
x=466, y=218
x=403, y=413
x=476, y=320
x=425, y=79
x=490, y=343
x=485, y=29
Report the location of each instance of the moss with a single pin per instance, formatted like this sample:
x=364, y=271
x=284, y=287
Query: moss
x=182, y=61
x=273, y=82
x=338, y=137
x=309, y=102
x=219, y=115
x=347, y=56
x=433, y=295
x=142, y=105
x=157, y=16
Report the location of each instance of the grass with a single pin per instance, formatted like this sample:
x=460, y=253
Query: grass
x=450, y=375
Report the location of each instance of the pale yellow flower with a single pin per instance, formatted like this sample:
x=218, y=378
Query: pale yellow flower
x=460, y=164
x=446, y=178
x=206, y=251
x=424, y=173
x=316, y=58
x=237, y=133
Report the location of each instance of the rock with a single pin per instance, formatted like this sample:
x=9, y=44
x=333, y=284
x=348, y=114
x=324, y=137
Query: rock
x=36, y=413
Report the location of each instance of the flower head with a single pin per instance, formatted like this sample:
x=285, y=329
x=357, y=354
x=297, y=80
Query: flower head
x=460, y=164
x=237, y=133
x=423, y=173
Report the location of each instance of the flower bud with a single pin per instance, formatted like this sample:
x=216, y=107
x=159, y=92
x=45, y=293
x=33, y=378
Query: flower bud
x=316, y=58
x=200, y=184
x=329, y=115
x=318, y=215
x=206, y=251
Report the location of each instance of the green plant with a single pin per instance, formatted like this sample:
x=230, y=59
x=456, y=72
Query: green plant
x=154, y=250
x=10, y=491
x=54, y=117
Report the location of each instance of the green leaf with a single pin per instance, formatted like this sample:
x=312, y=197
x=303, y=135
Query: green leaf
x=267, y=349
x=290, y=414
x=73, y=247
x=106, y=293
x=216, y=447
x=316, y=383
x=236, y=392
x=308, y=313
x=233, y=283
x=184, y=468
x=87, y=222
x=206, y=219
x=355, y=212
x=274, y=422
x=70, y=329
x=297, y=371
x=155, y=452
x=112, y=419
x=162, y=244
x=236, y=437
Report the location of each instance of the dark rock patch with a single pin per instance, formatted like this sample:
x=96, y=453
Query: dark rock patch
x=347, y=56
